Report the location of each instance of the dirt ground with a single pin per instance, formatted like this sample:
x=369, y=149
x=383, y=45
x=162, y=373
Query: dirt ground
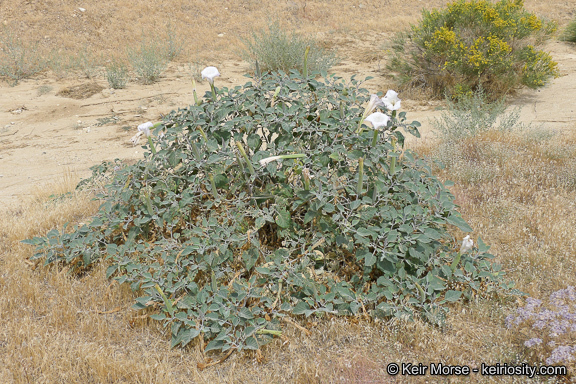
x=51, y=128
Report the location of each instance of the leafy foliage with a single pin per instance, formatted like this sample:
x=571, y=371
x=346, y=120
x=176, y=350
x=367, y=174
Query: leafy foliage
x=223, y=244
x=474, y=43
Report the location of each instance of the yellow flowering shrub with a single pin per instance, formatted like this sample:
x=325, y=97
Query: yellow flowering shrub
x=474, y=43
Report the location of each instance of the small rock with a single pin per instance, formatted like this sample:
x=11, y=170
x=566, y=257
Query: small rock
x=17, y=111
x=220, y=35
x=82, y=9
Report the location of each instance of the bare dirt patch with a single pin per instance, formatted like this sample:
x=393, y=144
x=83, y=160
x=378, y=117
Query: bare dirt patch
x=82, y=91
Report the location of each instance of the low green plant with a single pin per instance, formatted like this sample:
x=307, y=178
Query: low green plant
x=474, y=113
x=273, y=49
x=470, y=159
x=117, y=74
x=87, y=63
x=17, y=60
x=270, y=200
x=44, y=89
x=174, y=43
x=569, y=33
x=148, y=60
x=471, y=44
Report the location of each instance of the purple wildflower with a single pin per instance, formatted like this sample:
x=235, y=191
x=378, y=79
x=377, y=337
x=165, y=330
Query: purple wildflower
x=532, y=342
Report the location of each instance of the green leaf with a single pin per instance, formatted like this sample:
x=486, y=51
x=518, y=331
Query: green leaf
x=254, y=141
x=158, y=316
x=214, y=345
x=459, y=222
x=250, y=256
x=251, y=343
x=111, y=270
x=310, y=215
x=482, y=247
x=221, y=181
x=245, y=314
x=300, y=308
x=451, y=296
x=369, y=260
x=283, y=219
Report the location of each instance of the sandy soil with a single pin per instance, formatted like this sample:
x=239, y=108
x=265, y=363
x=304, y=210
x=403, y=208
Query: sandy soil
x=49, y=128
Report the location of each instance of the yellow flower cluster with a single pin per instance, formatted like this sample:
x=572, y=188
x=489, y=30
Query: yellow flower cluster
x=473, y=42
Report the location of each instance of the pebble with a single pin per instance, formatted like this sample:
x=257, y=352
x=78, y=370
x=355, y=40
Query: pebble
x=82, y=9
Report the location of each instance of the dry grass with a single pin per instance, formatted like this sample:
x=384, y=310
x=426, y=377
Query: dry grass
x=58, y=328
x=61, y=26
x=517, y=190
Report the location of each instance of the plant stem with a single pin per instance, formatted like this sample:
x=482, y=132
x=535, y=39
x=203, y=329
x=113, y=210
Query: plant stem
x=196, y=151
x=243, y=153
x=213, y=184
x=213, y=91
x=167, y=301
x=196, y=101
x=269, y=332
x=152, y=148
x=393, y=158
x=375, y=138
x=360, y=176
x=202, y=133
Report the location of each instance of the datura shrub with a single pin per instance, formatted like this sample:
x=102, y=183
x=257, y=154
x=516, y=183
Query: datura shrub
x=273, y=200
x=471, y=44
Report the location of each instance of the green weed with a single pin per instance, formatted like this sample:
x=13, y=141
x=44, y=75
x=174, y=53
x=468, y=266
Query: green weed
x=117, y=74
x=44, y=89
x=17, y=60
x=569, y=33
x=274, y=50
x=148, y=60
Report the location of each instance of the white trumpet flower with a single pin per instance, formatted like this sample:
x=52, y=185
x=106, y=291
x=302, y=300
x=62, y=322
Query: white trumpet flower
x=209, y=73
x=391, y=100
x=145, y=128
x=467, y=244
x=264, y=162
x=373, y=103
x=378, y=119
